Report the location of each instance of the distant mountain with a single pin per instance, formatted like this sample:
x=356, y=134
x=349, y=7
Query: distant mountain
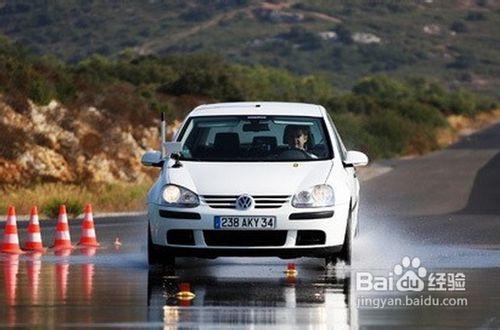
x=455, y=41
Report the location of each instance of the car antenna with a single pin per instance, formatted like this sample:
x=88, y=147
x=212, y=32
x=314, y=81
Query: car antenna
x=163, y=130
x=162, y=133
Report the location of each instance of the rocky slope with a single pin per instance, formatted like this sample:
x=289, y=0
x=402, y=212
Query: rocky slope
x=55, y=143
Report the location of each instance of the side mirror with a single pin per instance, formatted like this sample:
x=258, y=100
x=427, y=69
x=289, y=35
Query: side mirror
x=355, y=158
x=152, y=158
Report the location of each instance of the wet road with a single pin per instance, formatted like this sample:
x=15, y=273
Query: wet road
x=443, y=208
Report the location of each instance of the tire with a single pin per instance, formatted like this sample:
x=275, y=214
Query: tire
x=157, y=255
x=345, y=253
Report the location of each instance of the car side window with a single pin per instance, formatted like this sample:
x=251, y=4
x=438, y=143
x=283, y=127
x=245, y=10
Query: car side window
x=338, y=140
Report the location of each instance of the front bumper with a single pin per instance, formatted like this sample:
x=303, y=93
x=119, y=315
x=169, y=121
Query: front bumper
x=200, y=221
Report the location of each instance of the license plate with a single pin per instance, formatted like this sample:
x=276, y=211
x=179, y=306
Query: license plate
x=244, y=222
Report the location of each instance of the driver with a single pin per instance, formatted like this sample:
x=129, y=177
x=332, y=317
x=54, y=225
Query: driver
x=297, y=137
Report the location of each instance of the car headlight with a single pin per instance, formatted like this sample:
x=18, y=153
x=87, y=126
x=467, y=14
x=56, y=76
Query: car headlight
x=318, y=196
x=179, y=197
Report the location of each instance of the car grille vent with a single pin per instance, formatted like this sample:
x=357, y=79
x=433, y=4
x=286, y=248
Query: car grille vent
x=261, y=201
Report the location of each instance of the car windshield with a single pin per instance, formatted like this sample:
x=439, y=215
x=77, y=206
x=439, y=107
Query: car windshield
x=255, y=138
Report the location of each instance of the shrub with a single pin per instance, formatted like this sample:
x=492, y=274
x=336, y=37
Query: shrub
x=422, y=139
x=355, y=137
x=464, y=60
x=458, y=27
x=362, y=104
x=344, y=34
x=13, y=141
x=196, y=15
x=475, y=16
x=307, y=40
x=73, y=207
x=387, y=57
x=40, y=92
x=381, y=87
x=391, y=131
x=421, y=113
x=462, y=103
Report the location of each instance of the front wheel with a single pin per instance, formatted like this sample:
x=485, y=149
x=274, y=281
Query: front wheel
x=345, y=254
x=156, y=254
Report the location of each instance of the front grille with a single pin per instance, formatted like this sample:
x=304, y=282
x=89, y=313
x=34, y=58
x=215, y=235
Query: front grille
x=180, y=215
x=245, y=237
x=229, y=202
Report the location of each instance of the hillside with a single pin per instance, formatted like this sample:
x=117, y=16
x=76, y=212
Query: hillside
x=454, y=41
x=91, y=121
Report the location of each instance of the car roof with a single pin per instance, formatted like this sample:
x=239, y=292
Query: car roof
x=258, y=108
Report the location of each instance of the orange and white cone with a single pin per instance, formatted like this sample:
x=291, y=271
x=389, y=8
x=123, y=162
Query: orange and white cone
x=34, y=242
x=88, y=231
x=10, y=242
x=63, y=238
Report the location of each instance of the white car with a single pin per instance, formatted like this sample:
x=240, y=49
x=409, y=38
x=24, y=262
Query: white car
x=254, y=179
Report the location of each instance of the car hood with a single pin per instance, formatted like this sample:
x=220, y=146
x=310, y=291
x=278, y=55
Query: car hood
x=214, y=178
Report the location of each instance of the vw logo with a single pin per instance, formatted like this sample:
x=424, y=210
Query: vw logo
x=244, y=202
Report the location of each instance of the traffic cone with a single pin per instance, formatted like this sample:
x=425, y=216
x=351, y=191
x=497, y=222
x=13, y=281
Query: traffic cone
x=34, y=242
x=10, y=238
x=88, y=231
x=63, y=238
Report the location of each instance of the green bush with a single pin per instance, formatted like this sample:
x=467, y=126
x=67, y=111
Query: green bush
x=462, y=103
x=385, y=117
x=358, y=104
x=355, y=136
x=459, y=27
x=73, y=207
x=391, y=132
x=382, y=88
x=421, y=113
x=40, y=92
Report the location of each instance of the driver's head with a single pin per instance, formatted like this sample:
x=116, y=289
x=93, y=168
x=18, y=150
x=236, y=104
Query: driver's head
x=297, y=136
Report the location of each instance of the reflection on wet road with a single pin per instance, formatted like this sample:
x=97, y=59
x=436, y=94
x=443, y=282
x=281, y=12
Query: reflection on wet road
x=115, y=288
x=441, y=208
x=110, y=287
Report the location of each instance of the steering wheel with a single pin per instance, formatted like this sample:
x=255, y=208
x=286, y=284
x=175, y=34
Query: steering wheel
x=294, y=154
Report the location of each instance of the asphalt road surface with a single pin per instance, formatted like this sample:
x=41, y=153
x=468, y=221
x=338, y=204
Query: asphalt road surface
x=443, y=208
